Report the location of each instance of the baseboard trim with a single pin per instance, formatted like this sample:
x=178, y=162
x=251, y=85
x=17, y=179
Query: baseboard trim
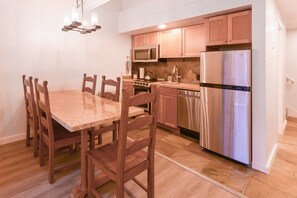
x=284, y=127
x=272, y=157
x=266, y=168
x=12, y=138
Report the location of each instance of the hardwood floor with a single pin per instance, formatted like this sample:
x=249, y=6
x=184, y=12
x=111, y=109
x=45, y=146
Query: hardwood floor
x=21, y=176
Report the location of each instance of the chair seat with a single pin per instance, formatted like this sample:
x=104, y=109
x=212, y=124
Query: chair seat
x=107, y=155
x=61, y=134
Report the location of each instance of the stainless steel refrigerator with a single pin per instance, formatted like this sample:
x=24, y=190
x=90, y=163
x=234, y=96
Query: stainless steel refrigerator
x=225, y=86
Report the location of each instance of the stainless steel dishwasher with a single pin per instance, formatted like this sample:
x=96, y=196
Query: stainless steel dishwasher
x=188, y=109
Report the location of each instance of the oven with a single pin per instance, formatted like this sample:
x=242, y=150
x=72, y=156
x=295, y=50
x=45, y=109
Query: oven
x=140, y=89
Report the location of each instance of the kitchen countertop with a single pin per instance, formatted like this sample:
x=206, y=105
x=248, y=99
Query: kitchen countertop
x=188, y=86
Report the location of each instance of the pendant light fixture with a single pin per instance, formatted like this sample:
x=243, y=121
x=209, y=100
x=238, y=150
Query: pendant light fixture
x=80, y=25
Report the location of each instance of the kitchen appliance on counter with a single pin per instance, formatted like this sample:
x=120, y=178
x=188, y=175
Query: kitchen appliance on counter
x=188, y=110
x=146, y=54
x=141, y=72
x=225, y=87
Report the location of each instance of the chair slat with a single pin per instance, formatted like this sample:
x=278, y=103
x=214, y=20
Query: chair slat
x=138, y=145
x=142, y=98
x=92, y=80
x=140, y=122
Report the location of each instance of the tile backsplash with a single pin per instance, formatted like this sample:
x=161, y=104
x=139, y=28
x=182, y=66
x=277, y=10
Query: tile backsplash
x=188, y=69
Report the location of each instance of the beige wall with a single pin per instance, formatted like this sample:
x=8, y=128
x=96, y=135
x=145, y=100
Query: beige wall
x=32, y=43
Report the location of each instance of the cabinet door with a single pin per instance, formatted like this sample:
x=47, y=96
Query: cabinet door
x=170, y=43
x=139, y=40
x=170, y=111
x=193, y=40
x=128, y=85
x=152, y=38
x=216, y=30
x=239, y=27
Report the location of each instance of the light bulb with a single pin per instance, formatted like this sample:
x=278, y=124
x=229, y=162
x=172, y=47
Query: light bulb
x=67, y=21
x=85, y=24
x=94, y=20
x=75, y=16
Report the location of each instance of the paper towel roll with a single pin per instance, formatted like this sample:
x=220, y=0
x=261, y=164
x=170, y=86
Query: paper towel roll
x=141, y=73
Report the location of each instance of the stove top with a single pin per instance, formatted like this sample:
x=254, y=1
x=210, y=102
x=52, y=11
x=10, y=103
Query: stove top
x=144, y=83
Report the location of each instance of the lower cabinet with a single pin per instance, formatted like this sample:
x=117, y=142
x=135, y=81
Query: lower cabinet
x=167, y=111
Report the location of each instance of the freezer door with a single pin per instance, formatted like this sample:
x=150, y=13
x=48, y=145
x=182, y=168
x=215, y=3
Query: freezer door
x=226, y=123
x=226, y=67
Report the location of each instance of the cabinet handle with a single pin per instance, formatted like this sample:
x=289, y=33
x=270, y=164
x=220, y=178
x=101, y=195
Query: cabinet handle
x=225, y=41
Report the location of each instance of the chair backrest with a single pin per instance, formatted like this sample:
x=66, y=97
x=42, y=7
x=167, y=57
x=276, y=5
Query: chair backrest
x=44, y=112
x=30, y=101
x=89, y=80
x=109, y=82
x=127, y=125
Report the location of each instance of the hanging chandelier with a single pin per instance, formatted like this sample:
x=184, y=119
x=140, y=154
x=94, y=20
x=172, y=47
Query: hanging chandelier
x=80, y=26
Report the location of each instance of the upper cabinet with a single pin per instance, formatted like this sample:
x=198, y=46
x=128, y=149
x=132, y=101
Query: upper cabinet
x=240, y=27
x=193, y=40
x=145, y=39
x=182, y=42
x=170, y=43
x=229, y=29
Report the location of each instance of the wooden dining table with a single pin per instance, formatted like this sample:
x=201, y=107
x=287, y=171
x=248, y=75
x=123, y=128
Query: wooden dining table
x=77, y=110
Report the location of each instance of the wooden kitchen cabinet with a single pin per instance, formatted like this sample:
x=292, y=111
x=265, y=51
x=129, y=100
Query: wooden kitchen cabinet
x=171, y=43
x=239, y=27
x=182, y=42
x=143, y=40
x=167, y=110
x=128, y=85
x=217, y=30
x=229, y=29
x=193, y=40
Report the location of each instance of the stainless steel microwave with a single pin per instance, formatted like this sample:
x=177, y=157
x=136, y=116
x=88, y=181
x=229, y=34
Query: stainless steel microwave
x=146, y=54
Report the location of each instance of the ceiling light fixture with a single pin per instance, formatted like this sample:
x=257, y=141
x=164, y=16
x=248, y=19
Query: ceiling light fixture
x=80, y=26
x=162, y=26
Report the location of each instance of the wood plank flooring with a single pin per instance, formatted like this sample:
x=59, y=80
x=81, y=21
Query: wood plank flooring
x=21, y=176
x=280, y=182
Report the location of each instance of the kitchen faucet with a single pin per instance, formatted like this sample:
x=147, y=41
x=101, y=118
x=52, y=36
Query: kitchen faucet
x=175, y=73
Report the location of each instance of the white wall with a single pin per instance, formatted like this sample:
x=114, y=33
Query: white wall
x=274, y=80
x=291, y=71
x=151, y=13
x=32, y=43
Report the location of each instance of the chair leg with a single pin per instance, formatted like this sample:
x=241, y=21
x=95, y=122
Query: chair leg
x=76, y=147
x=28, y=135
x=35, y=143
x=51, y=157
x=41, y=151
x=115, y=132
x=91, y=177
x=120, y=188
x=100, y=139
x=150, y=181
x=92, y=141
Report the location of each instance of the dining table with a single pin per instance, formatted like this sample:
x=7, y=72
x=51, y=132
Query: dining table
x=79, y=111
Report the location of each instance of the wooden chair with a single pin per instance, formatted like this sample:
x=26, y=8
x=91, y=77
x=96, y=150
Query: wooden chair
x=52, y=137
x=87, y=80
x=31, y=114
x=111, y=96
x=122, y=161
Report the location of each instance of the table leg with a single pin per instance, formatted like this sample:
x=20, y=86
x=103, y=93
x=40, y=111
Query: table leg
x=81, y=191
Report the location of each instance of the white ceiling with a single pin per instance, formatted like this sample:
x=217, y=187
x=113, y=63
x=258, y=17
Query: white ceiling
x=289, y=12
